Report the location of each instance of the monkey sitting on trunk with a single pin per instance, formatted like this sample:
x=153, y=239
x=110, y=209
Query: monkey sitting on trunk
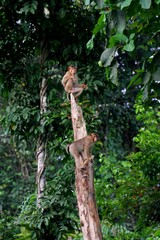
x=70, y=82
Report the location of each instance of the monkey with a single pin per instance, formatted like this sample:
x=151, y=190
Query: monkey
x=70, y=82
x=82, y=147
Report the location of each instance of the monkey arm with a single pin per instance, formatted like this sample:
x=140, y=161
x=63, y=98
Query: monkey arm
x=66, y=77
x=82, y=85
x=87, y=149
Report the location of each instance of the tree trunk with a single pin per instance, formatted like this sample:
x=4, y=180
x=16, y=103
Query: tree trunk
x=41, y=145
x=84, y=180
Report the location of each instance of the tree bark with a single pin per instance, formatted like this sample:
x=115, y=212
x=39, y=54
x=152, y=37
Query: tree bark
x=84, y=181
x=41, y=145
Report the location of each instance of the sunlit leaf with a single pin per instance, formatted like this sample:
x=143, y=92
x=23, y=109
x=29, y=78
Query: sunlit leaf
x=100, y=24
x=145, y=4
x=118, y=38
x=87, y=2
x=126, y=3
x=129, y=47
x=157, y=233
x=131, y=36
x=90, y=43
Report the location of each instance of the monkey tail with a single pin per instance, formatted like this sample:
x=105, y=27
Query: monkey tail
x=67, y=148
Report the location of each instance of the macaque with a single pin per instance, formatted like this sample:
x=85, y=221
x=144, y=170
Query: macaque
x=70, y=82
x=82, y=147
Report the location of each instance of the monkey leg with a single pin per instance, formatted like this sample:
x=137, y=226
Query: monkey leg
x=77, y=90
x=90, y=159
x=87, y=157
x=83, y=155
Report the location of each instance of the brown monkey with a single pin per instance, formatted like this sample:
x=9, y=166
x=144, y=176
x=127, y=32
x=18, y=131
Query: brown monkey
x=70, y=82
x=82, y=147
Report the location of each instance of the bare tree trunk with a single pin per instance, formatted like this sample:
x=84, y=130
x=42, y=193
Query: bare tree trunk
x=84, y=180
x=41, y=145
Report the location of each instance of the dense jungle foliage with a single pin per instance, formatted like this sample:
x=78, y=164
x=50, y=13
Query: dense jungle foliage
x=116, y=49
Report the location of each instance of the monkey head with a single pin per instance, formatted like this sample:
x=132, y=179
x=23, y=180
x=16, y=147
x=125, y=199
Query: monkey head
x=95, y=137
x=72, y=69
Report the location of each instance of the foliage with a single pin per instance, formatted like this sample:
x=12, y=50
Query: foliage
x=119, y=232
x=148, y=141
x=42, y=37
x=7, y=226
x=58, y=216
x=131, y=31
x=129, y=193
x=16, y=175
x=17, y=181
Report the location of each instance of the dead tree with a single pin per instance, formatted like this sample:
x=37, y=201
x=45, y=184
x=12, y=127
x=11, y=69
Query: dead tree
x=84, y=181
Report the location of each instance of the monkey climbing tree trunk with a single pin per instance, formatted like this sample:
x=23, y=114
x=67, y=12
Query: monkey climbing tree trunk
x=41, y=145
x=84, y=180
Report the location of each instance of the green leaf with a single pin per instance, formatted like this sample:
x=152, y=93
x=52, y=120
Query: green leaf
x=121, y=21
x=118, y=38
x=135, y=80
x=145, y=93
x=100, y=24
x=97, y=82
x=157, y=233
x=87, y=2
x=126, y=164
x=131, y=36
x=129, y=47
x=126, y=3
x=156, y=75
x=29, y=7
x=113, y=74
x=25, y=9
x=107, y=56
x=32, y=10
x=146, y=4
x=90, y=43
x=146, y=78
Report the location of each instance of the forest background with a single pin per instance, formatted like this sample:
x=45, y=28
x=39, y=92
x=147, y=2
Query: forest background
x=116, y=48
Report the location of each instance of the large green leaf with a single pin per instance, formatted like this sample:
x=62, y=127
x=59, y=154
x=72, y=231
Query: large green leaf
x=126, y=3
x=107, y=57
x=100, y=24
x=117, y=20
x=121, y=21
x=146, y=4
